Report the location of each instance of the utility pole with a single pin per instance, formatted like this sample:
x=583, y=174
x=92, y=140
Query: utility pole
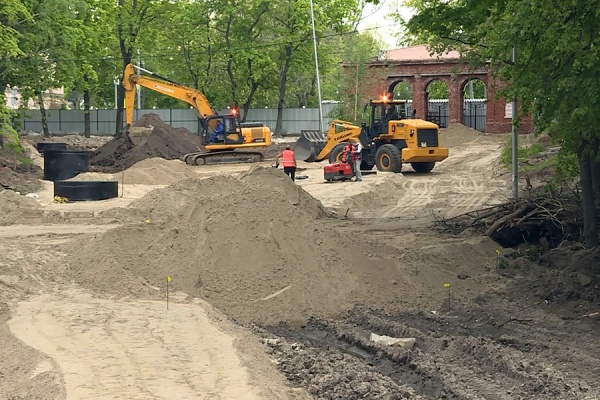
x=515, y=138
x=139, y=88
x=312, y=17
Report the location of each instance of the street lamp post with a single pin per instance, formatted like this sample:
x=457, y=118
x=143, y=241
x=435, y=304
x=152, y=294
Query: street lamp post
x=312, y=17
x=515, y=138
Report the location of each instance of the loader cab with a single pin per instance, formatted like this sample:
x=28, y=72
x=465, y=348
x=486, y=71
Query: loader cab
x=384, y=111
x=221, y=130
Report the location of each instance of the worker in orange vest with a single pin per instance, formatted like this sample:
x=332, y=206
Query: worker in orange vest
x=288, y=160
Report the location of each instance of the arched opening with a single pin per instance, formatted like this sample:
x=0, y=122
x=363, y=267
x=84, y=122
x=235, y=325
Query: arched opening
x=474, y=99
x=402, y=90
x=436, y=101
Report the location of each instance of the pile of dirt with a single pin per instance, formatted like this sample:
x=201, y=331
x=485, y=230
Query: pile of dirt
x=565, y=279
x=157, y=140
x=151, y=171
x=17, y=208
x=458, y=134
x=258, y=247
x=73, y=141
x=383, y=195
x=24, y=183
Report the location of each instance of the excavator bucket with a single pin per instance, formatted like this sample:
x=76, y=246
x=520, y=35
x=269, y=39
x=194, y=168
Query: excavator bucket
x=309, y=145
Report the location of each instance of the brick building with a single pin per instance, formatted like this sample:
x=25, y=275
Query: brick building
x=414, y=66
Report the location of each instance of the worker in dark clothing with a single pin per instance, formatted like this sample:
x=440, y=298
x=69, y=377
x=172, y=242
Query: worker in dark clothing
x=391, y=113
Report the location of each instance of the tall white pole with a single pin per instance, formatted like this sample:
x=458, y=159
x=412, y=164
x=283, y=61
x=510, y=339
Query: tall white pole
x=139, y=88
x=515, y=139
x=312, y=17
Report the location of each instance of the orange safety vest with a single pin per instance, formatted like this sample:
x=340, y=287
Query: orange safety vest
x=288, y=158
x=347, y=154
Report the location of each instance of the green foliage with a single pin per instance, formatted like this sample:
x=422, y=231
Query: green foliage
x=504, y=264
x=478, y=90
x=524, y=152
x=438, y=90
x=231, y=50
x=403, y=91
x=566, y=166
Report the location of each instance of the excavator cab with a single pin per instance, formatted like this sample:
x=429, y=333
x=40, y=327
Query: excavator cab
x=220, y=130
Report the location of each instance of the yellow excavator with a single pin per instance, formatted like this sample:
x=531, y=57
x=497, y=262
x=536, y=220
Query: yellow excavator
x=224, y=137
x=390, y=140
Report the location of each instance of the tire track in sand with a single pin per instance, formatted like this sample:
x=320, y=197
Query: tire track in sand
x=132, y=350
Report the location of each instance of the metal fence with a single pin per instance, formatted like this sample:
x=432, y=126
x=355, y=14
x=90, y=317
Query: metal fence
x=474, y=114
x=294, y=119
x=103, y=121
x=438, y=112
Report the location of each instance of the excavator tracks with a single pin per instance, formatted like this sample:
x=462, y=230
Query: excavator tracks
x=223, y=157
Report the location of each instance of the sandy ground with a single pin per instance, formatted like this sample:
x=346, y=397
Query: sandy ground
x=132, y=350
x=65, y=342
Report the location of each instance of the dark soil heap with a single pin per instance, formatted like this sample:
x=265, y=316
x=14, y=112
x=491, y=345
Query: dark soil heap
x=164, y=141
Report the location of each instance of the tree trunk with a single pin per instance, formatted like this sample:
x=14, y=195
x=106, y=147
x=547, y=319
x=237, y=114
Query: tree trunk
x=595, y=162
x=253, y=88
x=590, y=228
x=87, y=128
x=282, y=85
x=45, y=129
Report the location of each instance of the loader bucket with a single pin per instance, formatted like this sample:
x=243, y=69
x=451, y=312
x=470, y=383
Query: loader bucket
x=309, y=145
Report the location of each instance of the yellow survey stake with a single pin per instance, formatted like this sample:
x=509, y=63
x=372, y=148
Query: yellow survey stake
x=446, y=285
x=168, y=278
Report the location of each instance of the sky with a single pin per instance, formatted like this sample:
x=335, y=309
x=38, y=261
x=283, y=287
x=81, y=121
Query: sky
x=375, y=17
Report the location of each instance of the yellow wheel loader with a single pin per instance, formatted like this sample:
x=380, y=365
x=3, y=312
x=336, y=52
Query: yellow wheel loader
x=389, y=141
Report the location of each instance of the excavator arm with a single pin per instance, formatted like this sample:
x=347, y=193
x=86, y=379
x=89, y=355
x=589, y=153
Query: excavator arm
x=165, y=86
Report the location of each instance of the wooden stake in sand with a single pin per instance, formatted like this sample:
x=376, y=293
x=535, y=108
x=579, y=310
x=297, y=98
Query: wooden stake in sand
x=168, y=280
x=448, y=286
x=122, y=180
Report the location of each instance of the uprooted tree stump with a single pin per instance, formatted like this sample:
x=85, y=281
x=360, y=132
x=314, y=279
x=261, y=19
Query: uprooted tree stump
x=549, y=217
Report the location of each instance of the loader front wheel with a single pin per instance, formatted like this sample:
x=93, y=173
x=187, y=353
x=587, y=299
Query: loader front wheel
x=335, y=156
x=423, y=167
x=365, y=166
x=388, y=159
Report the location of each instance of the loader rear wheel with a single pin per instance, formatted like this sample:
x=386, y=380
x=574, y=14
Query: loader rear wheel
x=335, y=156
x=388, y=158
x=423, y=167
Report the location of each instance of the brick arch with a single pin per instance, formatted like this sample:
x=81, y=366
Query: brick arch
x=391, y=84
x=470, y=111
x=416, y=67
x=439, y=116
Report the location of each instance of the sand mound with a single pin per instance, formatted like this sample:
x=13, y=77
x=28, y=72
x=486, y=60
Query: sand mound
x=383, y=195
x=158, y=140
x=256, y=246
x=458, y=134
x=152, y=171
x=17, y=208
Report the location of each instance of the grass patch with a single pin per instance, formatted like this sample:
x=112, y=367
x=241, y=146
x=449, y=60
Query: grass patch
x=524, y=153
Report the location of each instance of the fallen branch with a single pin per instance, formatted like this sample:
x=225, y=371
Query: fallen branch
x=496, y=225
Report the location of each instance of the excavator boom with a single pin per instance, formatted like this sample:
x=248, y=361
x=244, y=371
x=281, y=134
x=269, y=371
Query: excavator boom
x=220, y=146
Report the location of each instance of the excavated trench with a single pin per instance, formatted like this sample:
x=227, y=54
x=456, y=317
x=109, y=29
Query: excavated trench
x=466, y=355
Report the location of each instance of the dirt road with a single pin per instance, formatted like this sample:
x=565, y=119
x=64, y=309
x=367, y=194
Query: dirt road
x=131, y=350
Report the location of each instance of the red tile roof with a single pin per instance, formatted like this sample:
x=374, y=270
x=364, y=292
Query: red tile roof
x=418, y=53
